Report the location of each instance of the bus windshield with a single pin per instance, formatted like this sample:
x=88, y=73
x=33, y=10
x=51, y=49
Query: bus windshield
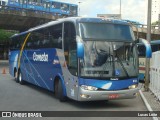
x=106, y=31
x=109, y=60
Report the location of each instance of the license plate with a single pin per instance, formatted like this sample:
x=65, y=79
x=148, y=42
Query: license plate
x=113, y=96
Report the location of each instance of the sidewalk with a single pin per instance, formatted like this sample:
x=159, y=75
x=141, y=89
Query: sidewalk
x=150, y=101
x=4, y=61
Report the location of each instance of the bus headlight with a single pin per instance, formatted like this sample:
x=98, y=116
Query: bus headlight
x=91, y=88
x=133, y=86
x=84, y=96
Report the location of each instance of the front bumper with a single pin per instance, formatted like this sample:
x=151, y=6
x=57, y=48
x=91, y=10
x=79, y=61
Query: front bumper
x=86, y=95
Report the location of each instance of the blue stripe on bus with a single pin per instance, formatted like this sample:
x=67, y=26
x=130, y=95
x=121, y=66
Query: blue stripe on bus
x=109, y=84
x=33, y=71
x=39, y=72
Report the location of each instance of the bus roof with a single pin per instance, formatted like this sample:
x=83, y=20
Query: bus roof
x=75, y=19
x=102, y=20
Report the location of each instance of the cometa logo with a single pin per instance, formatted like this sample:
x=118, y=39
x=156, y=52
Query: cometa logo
x=40, y=57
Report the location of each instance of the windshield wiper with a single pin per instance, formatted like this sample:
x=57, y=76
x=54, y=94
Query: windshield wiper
x=120, y=61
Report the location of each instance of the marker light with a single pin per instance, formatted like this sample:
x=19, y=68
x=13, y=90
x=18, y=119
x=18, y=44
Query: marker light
x=133, y=86
x=91, y=88
x=85, y=96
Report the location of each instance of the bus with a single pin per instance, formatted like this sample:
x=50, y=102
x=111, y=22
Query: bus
x=84, y=59
x=54, y=7
x=155, y=45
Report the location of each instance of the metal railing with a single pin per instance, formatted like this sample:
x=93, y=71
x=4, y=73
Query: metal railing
x=143, y=29
x=155, y=74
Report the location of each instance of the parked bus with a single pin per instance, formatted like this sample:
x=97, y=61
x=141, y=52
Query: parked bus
x=52, y=6
x=84, y=59
x=155, y=45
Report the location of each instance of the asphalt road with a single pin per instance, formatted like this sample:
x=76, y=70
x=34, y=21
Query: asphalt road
x=16, y=97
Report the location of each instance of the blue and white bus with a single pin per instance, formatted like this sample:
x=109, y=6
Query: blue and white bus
x=155, y=45
x=83, y=59
x=50, y=6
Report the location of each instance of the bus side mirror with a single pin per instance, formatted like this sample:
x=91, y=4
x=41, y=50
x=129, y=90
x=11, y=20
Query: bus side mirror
x=148, y=47
x=80, y=50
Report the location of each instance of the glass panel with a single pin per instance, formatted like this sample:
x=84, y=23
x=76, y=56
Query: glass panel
x=155, y=47
x=50, y=37
x=55, y=36
x=73, y=10
x=35, y=40
x=105, y=31
x=64, y=7
x=46, y=5
x=56, y=5
x=141, y=51
x=109, y=59
x=16, y=42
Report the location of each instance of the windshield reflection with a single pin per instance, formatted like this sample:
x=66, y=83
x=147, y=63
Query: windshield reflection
x=109, y=59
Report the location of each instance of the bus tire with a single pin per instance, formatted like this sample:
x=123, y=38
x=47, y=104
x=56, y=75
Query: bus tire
x=20, y=80
x=59, y=91
x=16, y=75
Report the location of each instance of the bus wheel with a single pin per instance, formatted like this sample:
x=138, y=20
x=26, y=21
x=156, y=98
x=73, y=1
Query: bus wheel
x=16, y=76
x=59, y=91
x=20, y=78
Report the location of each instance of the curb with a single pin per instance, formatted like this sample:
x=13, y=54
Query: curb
x=147, y=104
x=4, y=61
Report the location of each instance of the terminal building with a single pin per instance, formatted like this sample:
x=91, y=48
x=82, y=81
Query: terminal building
x=155, y=10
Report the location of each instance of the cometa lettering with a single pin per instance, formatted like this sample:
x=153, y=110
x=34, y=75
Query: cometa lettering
x=40, y=57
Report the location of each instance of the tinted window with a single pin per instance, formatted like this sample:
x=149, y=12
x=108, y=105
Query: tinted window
x=55, y=36
x=50, y=37
x=155, y=47
x=106, y=31
x=73, y=10
x=16, y=42
x=56, y=5
x=35, y=40
x=141, y=51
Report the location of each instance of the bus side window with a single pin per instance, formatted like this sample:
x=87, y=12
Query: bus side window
x=155, y=47
x=56, y=36
x=141, y=51
x=13, y=45
x=45, y=43
x=29, y=42
x=37, y=38
x=21, y=41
